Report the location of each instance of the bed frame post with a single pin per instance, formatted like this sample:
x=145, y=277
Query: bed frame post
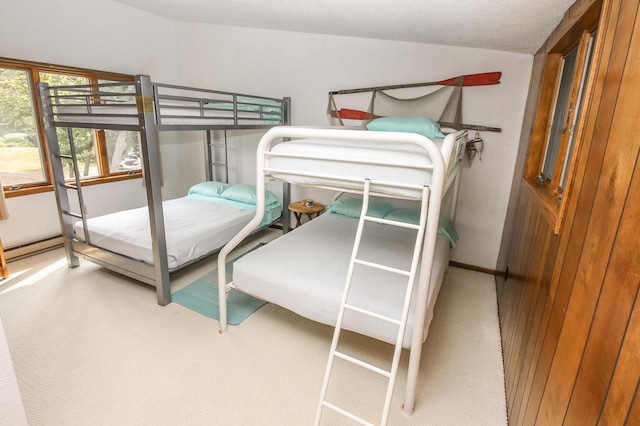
x=150, y=148
x=286, y=213
x=286, y=186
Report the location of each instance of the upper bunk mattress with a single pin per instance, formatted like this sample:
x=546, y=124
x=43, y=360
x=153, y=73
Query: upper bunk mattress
x=193, y=229
x=305, y=271
x=342, y=164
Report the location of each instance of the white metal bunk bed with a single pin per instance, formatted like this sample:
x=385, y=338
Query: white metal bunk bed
x=147, y=108
x=384, y=164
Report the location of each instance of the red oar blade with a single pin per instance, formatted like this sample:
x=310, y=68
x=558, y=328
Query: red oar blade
x=482, y=79
x=350, y=114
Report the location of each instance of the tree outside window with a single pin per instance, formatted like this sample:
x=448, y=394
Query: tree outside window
x=102, y=155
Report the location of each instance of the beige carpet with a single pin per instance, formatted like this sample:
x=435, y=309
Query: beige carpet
x=91, y=347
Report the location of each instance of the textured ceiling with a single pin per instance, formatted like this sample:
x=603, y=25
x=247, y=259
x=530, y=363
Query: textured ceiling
x=508, y=25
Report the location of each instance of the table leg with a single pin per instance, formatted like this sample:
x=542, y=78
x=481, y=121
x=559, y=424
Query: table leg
x=4, y=272
x=298, y=217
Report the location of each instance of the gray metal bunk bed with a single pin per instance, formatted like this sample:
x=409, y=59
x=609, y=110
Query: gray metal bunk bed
x=147, y=108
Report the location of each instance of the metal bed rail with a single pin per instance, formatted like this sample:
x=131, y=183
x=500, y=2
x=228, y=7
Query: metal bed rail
x=114, y=105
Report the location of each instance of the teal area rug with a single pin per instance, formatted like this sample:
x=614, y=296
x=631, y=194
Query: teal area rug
x=202, y=296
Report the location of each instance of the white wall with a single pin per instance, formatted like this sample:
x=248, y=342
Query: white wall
x=94, y=34
x=308, y=66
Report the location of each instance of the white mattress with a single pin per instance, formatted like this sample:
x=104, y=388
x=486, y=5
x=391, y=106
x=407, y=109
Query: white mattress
x=398, y=158
x=193, y=227
x=305, y=271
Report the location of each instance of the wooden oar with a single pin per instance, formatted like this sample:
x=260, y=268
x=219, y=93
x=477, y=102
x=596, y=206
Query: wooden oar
x=482, y=79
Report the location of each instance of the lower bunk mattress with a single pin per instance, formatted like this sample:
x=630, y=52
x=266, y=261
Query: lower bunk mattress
x=194, y=228
x=305, y=271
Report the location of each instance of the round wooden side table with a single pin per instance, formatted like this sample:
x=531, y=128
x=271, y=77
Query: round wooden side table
x=299, y=208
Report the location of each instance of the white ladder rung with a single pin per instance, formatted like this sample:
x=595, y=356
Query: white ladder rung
x=346, y=414
x=382, y=267
x=373, y=314
x=392, y=222
x=363, y=364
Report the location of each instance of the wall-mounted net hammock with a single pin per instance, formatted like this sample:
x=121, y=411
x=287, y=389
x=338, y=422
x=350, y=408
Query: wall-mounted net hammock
x=443, y=105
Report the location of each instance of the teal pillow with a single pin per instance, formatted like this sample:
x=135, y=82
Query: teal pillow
x=351, y=207
x=421, y=125
x=244, y=193
x=446, y=229
x=402, y=215
x=208, y=189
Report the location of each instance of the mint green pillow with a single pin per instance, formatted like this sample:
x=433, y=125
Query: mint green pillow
x=351, y=207
x=421, y=125
x=244, y=193
x=208, y=189
x=446, y=229
x=402, y=215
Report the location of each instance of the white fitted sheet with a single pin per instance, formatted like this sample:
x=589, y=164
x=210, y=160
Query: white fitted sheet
x=396, y=157
x=305, y=271
x=193, y=228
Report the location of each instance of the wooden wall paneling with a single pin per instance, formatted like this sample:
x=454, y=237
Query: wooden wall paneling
x=511, y=346
x=509, y=286
x=526, y=311
x=569, y=309
x=623, y=389
x=518, y=283
x=533, y=322
x=502, y=285
x=623, y=270
x=613, y=312
x=543, y=313
x=633, y=418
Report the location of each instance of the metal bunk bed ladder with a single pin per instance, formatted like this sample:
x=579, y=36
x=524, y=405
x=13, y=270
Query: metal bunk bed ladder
x=217, y=158
x=61, y=186
x=400, y=323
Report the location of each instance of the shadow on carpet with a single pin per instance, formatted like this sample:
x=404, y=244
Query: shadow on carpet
x=202, y=296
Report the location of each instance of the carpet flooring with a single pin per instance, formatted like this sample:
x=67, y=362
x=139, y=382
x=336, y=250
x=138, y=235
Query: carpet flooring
x=90, y=347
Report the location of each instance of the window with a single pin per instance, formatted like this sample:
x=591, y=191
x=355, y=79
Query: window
x=557, y=126
x=103, y=155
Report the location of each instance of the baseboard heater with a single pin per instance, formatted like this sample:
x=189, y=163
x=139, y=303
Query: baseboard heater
x=33, y=247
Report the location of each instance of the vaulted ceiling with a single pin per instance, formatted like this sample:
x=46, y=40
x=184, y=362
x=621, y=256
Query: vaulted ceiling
x=519, y=26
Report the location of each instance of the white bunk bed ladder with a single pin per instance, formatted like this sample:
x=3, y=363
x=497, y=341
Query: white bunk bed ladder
x=401, y=322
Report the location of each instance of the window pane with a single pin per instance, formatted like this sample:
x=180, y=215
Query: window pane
x=84, y=144
x=84, y=139
x=123, y=151
x=576, y=119
x=20, y=154
x=122, y=147
x=559, y=123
